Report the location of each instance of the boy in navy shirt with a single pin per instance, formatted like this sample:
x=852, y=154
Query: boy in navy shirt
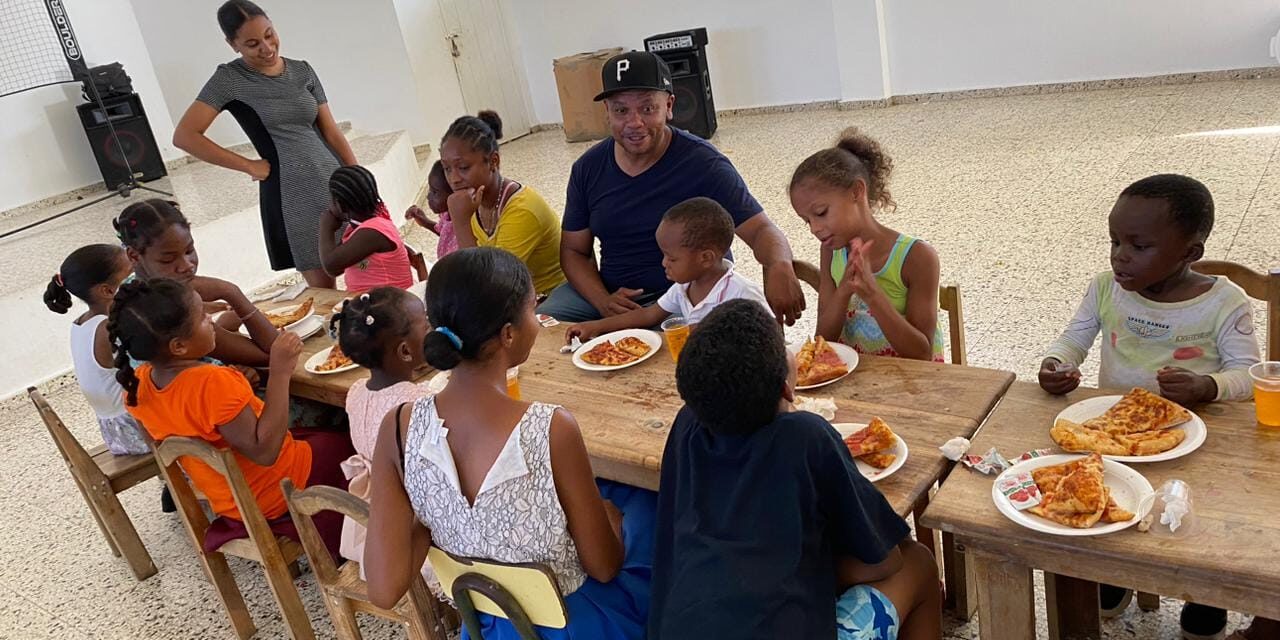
x=765, y=527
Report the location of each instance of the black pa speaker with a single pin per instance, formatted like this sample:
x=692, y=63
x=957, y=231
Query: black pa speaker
x=686, y=55
x=133, y=141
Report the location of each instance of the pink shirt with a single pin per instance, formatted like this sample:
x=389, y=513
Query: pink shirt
x=382, y=269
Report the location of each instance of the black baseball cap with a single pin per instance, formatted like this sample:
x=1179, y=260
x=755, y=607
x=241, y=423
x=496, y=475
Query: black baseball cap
x=634, y=70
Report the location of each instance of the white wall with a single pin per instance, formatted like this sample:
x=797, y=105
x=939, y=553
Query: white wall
x=938, y=45
x=357, y=49
x=761, y=53
x=775, y=52
x=43, y=148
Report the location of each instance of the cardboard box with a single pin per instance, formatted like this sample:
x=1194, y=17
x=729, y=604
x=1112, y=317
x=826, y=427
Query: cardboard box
x=577, y=82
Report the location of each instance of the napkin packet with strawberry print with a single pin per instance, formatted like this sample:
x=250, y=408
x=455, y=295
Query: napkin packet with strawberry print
x=1032, y=454
x=1021, y=490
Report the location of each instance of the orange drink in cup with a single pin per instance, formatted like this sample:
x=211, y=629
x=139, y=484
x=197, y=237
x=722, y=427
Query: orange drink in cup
x=513, y=382
x=1266, y=392
x=677, y=332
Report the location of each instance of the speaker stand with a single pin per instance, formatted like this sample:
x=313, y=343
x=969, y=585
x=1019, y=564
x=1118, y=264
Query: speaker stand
x=122, y=190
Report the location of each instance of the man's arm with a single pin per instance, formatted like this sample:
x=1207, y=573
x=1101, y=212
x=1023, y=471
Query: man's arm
x=578, y=260
x=771, y=250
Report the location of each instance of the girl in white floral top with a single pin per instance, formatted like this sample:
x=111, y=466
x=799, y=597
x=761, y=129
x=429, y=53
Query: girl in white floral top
x=480, y=474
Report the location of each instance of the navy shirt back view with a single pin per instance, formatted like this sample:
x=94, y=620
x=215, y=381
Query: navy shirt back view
x=749, y=528
x=623, y=212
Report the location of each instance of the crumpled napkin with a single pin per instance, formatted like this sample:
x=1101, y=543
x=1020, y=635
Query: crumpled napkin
x=825, y=407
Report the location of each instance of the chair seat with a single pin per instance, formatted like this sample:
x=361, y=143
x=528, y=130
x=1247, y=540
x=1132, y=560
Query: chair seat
x=124, y=471
x=350, y=586
x=245, y=548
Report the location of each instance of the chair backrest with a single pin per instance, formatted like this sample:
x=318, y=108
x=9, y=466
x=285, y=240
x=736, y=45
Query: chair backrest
x=222, y=461
x=949, y=300
x=532, y=587
x=73, y=453
x=1265, y=287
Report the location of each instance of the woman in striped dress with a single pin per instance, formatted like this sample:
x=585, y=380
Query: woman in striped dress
x=282, y=107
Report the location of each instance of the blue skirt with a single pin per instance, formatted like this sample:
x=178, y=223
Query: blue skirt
x=616, y=610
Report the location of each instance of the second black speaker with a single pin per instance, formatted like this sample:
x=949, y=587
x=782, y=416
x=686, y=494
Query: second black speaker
x=686, y=54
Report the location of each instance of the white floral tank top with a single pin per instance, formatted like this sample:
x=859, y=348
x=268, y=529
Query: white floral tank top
x=517, y=515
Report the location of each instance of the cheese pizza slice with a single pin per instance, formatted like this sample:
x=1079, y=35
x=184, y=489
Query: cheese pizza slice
x=633, y=346
x=1139, y=410
x=876, y=437
x=820, y=364
x=878, y=460
x=606, y=354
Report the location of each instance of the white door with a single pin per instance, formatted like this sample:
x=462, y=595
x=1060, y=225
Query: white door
x=484, y=56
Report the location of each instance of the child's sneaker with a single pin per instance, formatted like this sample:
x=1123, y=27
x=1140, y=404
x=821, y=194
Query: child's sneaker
x=1203, y=623
x=1112, y=601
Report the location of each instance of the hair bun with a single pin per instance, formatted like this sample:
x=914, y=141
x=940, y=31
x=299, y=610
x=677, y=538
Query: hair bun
x=491, y=118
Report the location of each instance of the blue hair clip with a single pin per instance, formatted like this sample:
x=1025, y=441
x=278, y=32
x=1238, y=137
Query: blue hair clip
x=453, y=337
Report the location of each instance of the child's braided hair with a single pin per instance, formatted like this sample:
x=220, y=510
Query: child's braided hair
x=142, y=223
x=145, y=316
x=355, y=191
x=482, y=131
x=365, y=323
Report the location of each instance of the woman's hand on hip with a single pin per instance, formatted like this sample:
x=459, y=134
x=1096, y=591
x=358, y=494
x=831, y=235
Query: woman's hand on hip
x=259, y=169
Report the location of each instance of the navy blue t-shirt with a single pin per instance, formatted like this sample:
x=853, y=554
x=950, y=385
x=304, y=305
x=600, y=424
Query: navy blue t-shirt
x=623, y=212
x=749, y=529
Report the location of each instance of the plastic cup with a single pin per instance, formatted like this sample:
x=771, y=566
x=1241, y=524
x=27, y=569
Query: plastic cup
x=513, y=382
x=677, y=332
x=1266, y=392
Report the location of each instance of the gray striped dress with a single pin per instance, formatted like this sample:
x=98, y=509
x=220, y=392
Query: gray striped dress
x=278, y=113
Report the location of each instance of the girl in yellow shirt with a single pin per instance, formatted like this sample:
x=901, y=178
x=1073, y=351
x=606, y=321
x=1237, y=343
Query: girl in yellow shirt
x=490, y=210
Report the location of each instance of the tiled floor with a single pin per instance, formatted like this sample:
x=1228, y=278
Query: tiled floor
x=1012, y=191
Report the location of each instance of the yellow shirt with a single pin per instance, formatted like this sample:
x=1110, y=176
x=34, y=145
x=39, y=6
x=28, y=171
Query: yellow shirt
x=529, y=229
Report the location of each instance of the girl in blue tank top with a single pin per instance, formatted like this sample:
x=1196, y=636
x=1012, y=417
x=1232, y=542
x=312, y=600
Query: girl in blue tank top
x=879, y=288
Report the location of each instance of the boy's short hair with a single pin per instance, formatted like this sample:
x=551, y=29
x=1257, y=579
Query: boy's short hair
x=1190, y=203
x=706, y=224
x=732, y=371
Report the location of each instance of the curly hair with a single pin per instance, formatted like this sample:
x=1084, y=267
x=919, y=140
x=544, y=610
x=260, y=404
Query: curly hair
x=733, y=369
x=706, y=224
x=1190, y=203
x=142, y=223
x=145, y=316
x=82, y=270
x=473, y=293
x=368, y=322
x=856, y=156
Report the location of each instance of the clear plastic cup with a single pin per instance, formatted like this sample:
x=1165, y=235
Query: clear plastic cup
x=513, y=382
x=1266, y=392
x=1169, y=511
x=677, y=331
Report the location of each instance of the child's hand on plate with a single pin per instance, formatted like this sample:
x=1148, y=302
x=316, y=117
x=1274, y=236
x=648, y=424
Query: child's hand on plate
x=1058, y=377
x=583, y=331
x=1186, y=387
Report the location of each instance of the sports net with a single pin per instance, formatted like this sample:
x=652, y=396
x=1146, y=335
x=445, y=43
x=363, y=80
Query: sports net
x=31, y=53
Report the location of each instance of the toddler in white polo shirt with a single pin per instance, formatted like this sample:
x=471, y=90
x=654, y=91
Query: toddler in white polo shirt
x=694, y=236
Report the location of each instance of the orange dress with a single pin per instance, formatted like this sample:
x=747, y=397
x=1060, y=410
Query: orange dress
x=194, y=405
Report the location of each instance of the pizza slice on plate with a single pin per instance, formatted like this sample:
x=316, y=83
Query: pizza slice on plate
x=282, y=320
x=875, y=438
x=607, y=354
x=633, y=346
x=817, y=362
x=336, y=360
x=878, y=460
x=1139, y=410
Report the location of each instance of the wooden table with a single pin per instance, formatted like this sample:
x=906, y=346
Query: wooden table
x=964, y=392
x=331, y=389
x=1231, y=559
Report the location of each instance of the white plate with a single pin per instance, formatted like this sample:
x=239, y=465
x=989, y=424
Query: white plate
x=846, y=429
x=319, y=358
x=1128, y=489
x=846, y=353
x=650, y=338
x=307, y=327
x=1094, y=407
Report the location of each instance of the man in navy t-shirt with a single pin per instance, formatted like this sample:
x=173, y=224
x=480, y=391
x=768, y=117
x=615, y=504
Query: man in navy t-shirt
x=620, y=188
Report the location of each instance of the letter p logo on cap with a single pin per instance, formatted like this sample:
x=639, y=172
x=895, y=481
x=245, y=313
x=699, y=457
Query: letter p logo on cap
x=623, y=65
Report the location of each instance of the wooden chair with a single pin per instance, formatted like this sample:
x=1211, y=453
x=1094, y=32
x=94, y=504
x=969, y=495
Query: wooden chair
x=525, y=594
x=949, y=300
x=1265, y=287
x=278, y=555
x=100, y=475
x=345, y=593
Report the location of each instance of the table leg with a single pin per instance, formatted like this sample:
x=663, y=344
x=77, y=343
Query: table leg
x=1072, y=605
x=961, y=600
x=1006, y=599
